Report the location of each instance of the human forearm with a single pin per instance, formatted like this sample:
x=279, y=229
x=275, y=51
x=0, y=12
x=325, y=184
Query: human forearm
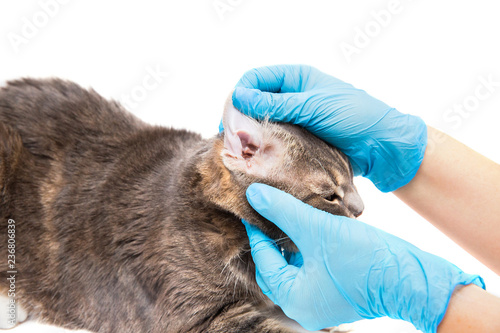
x=456, y=189
x=471, y=309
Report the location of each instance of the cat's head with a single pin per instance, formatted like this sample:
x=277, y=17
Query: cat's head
x=287, y=157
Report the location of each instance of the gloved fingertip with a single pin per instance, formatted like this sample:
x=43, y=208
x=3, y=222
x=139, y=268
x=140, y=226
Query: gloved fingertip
x=237, y=92
x=245, y=99
x=221, y=127
x=243, y=92
x=253, y=189
x=254, y=233
x=239, y=97
x=248, y=226
x=255, y=195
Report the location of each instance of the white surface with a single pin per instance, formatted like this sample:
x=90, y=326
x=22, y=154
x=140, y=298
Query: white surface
x=429, y=57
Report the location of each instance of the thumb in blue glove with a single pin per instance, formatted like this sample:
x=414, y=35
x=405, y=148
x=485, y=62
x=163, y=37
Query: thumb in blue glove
x=346, y=270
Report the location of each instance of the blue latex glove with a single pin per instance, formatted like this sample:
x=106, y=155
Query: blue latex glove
x=383, y=144
x=346, y=270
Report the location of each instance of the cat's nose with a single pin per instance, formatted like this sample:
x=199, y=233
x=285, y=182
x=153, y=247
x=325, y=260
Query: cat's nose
x=353, y=202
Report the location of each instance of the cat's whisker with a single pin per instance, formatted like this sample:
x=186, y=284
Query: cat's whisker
x=284, y=241
x=225, y=266
x=280, y=239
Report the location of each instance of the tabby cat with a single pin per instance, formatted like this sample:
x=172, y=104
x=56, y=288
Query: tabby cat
x=121, y=226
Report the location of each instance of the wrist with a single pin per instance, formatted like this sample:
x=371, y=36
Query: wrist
x=471, y=309
x=394, y=160
x=426, y=297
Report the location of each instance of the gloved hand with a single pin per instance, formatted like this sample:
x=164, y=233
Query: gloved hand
x=346, y=270
x=383, y=144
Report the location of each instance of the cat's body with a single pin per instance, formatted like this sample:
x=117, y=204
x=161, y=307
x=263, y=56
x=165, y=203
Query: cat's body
x=125, y=227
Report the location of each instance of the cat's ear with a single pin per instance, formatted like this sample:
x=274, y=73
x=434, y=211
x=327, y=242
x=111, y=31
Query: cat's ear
x=242, y=134
x=245, y=145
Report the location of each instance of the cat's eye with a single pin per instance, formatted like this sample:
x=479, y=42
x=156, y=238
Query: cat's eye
x=337, y=195
x=332, y=197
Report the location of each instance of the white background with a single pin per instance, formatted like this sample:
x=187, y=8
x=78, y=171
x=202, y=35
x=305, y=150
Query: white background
x=428, y=57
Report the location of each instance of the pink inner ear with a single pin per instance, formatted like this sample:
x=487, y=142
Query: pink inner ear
x=242, y=134
x=248, y=146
